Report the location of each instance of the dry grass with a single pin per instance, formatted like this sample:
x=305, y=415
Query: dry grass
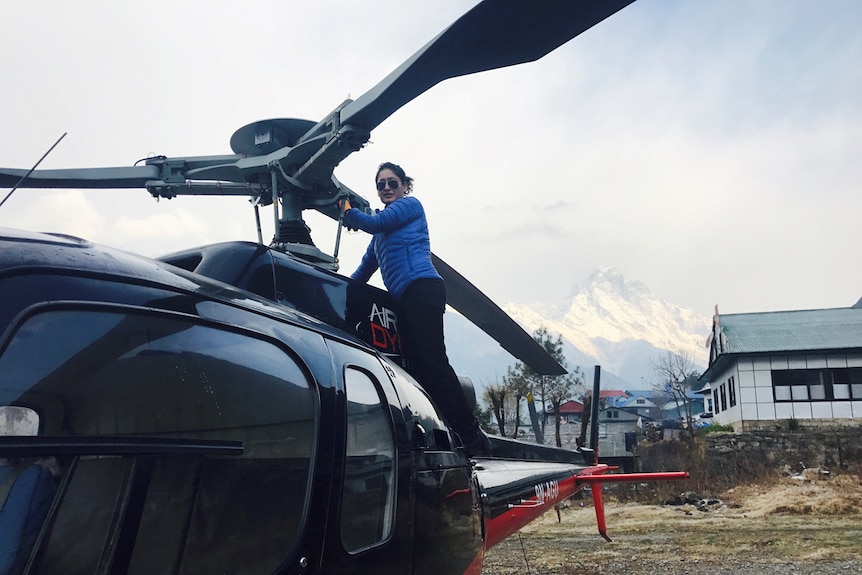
x=831, y=497
x=757, y=526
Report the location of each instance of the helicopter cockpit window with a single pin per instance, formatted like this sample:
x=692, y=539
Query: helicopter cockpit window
x=178, y=447
x=368, y=501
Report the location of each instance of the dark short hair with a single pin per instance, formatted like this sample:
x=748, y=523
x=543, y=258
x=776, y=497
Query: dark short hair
x=398, y=171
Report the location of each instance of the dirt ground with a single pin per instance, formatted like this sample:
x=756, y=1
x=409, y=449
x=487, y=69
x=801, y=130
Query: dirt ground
x=788, y=527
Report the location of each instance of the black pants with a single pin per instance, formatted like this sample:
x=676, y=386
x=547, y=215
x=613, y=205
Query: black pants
x=420, y=323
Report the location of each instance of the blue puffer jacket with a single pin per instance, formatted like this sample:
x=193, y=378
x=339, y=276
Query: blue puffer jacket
x=400, y=246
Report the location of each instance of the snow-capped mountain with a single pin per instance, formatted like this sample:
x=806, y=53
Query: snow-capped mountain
x=608, y=321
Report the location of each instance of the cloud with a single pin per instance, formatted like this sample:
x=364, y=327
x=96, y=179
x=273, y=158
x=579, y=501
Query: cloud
x=176, y=224
x=705, y=148
x=63, y=211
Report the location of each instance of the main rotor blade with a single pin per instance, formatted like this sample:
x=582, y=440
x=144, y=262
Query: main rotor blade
x=487, y=316
x=88, y=178
x=494, y=34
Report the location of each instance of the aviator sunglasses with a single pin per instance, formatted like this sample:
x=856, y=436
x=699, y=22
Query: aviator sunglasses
x=393, y=184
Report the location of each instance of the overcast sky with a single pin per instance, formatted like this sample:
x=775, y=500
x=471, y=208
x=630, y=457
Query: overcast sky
x=708, y=148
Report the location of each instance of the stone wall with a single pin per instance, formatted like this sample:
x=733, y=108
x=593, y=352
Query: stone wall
x=836, y=448
x=721, y=460
x=795, y=424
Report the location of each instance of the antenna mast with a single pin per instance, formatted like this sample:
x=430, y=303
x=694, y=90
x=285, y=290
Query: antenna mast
x=36, y=165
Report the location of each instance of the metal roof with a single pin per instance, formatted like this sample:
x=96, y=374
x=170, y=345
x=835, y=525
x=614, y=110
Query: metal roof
x=783, y=331
x=570, y=406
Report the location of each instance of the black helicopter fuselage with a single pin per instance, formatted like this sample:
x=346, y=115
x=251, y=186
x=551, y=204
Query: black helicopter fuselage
x=232, y=409
x=193, y=427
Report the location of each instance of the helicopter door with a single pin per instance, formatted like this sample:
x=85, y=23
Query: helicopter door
x=446, y=506
x=371, y=521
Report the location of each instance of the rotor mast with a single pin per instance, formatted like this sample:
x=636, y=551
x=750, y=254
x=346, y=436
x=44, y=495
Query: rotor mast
x=302, y=157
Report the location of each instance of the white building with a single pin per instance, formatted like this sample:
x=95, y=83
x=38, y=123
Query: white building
x=768, y=368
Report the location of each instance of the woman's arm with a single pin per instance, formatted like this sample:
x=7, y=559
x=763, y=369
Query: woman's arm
x=394, y=216
x=368, y=264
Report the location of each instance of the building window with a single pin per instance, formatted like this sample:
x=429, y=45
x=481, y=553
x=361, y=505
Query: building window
x=817, y=384
x=603, y=430
x=847, y=383
x=723, y=393
x=715, y=401
x=731, y=387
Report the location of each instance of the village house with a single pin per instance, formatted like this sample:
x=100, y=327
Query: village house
x=646, y=403
x=619, y=429
x=572, y=411
x=786, y=368
x=695, y=403
x=618, y=426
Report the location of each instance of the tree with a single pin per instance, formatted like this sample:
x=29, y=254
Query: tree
x=559, y=389
x=548, y=389
x=517, y=388
x=495, y=397
x=675, y=375
x=505, y=401
x=484, y=417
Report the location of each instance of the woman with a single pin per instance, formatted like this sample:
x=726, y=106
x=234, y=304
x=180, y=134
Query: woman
x=401, y=249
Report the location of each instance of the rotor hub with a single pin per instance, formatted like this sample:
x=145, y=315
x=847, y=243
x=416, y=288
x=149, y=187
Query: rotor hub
x=267, y=136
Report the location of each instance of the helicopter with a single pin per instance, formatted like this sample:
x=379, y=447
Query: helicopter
x=242, y=407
